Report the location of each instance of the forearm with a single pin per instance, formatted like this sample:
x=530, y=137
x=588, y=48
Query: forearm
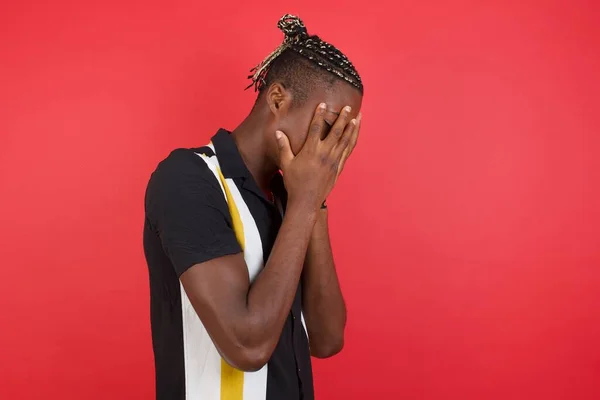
x=271, y=295
x=245, y=320
x=323, y=303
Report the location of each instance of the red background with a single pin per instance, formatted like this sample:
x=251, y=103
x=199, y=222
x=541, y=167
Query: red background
x=466, y=225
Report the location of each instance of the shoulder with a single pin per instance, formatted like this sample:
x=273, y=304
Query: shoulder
x=183, y=172
x=184, y=164
x=184, y=161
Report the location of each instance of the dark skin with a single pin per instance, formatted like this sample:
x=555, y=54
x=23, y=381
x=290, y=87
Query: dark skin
x=310, y=145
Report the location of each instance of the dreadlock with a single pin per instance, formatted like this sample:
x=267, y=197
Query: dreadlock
x=303, y=60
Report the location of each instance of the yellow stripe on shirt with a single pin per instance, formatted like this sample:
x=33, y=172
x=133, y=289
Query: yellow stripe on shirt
x=232, y=379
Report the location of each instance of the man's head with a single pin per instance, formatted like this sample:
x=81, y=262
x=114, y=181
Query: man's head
x=301, y=73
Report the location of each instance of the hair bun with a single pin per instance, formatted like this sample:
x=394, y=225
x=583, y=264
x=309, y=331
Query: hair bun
x=292, y=27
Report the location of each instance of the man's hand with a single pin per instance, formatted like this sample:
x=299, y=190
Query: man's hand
x=311, y=174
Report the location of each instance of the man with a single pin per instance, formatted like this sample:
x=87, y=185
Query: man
x=242, y=276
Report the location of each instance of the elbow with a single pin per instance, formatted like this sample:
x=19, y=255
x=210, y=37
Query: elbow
x=328, y=348
x=252, y=362
x=249, y=359
x=246, y=348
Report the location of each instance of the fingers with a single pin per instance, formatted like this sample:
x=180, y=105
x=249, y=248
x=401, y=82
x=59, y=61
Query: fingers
x=285, y=150
x=338, y=129
x=317, y=127
x=344, y=141
x=354, y=138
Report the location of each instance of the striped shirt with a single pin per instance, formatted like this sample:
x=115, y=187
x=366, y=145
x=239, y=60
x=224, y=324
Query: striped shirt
x=202, y=204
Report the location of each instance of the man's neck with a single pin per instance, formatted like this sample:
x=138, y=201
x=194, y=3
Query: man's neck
x=250, y=140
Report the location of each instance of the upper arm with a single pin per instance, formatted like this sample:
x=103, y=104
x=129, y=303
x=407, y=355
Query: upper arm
x=186, y=208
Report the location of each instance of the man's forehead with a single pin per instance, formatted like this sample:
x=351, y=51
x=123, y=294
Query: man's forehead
x=338, y=97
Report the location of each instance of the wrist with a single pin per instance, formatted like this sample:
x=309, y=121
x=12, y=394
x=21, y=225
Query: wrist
x=306, y=209
x=305, y=202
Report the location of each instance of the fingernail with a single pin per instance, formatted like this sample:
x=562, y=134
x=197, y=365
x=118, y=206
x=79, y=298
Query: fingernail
x=322, y=106
x=348, y=109
x=278, y=134
x=353, y=121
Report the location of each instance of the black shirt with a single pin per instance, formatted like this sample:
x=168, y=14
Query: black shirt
x=188, y=221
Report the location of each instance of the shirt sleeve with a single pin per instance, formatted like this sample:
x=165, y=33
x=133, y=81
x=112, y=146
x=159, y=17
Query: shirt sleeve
x=186, y=208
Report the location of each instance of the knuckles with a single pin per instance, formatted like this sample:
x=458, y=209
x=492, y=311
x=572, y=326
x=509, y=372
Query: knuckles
x=324, y=159
x=315, y=128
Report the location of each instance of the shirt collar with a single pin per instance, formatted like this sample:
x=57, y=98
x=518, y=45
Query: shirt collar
x=230, y=160
x=232, y=166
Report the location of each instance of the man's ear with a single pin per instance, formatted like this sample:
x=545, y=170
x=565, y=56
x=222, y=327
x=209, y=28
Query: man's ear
x=279, y=98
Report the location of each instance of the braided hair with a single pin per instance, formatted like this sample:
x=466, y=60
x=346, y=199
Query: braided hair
x=303, y=59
